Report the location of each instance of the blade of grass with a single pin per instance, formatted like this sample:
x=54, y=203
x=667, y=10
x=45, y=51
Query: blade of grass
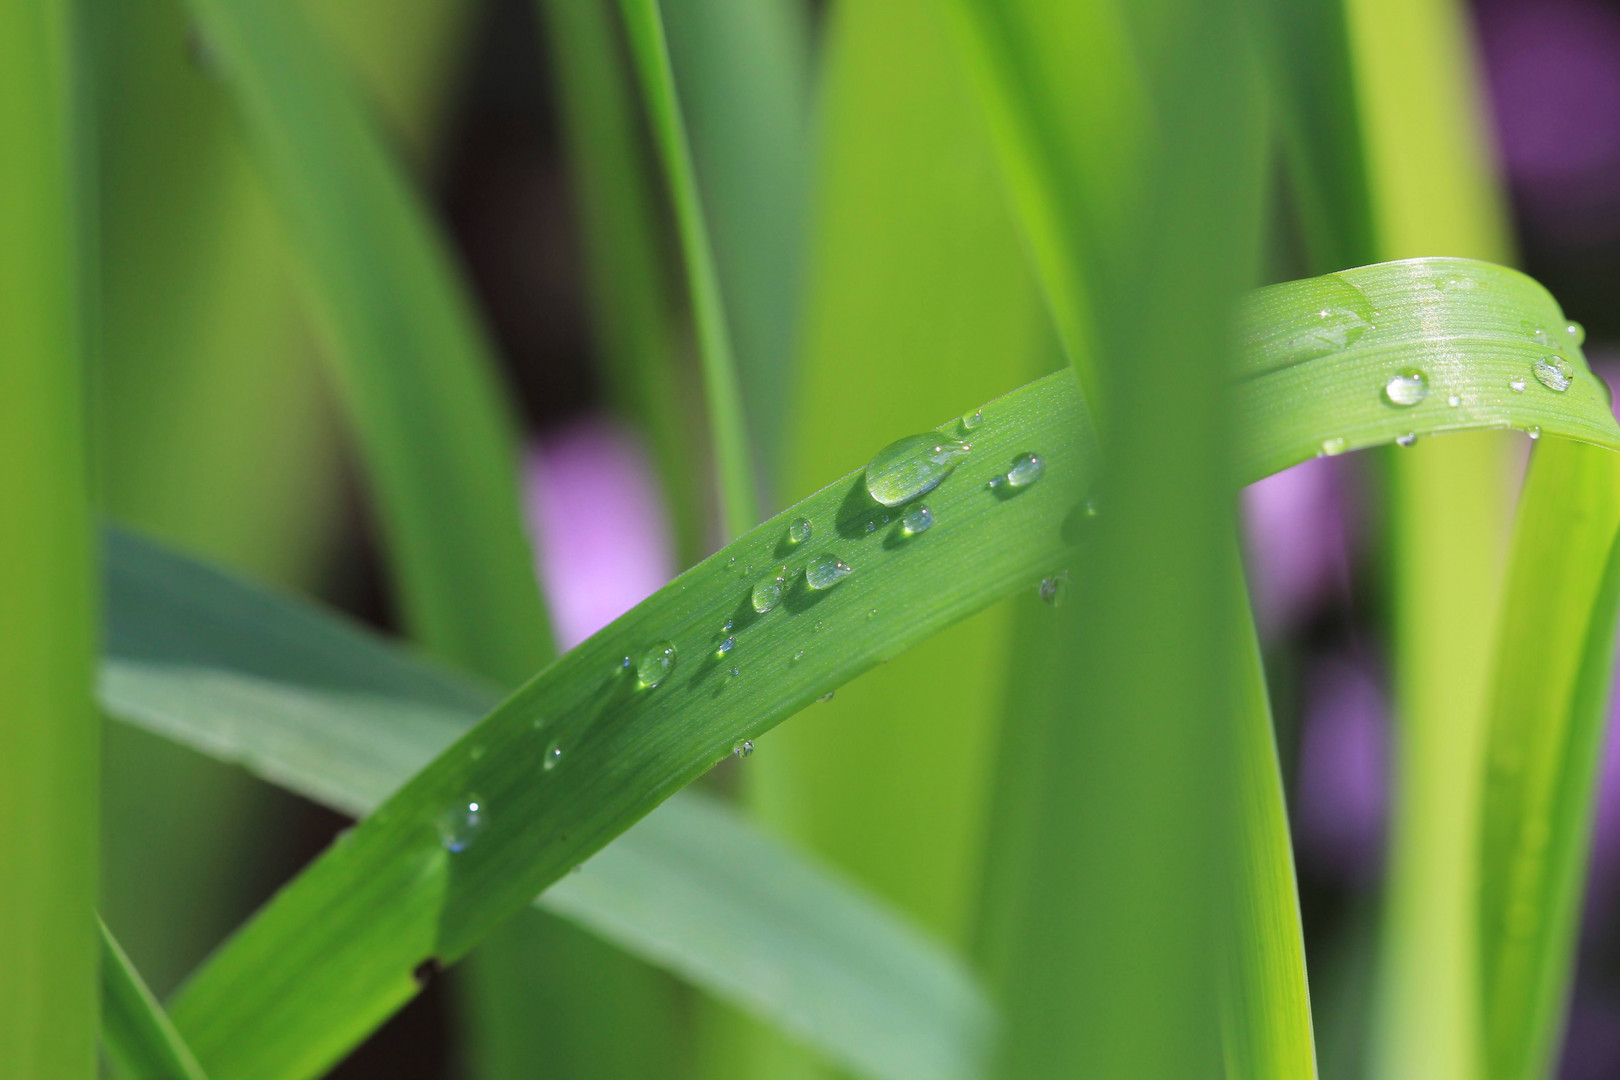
x=743, y=69
x=135, y=1030
x=49, y=747
x=1554, y=656
x=1431, y=190
x=629, y=294
x=650, y=51
x=308, y=702
x=355, y=926
x=410, y=357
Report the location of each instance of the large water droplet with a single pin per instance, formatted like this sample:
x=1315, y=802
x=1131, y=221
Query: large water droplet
x=655, y=664
x=973, y=419
x=461, y=823
x=1026, y=470
x=1406, y=389
x=799, y=531
x=1055, y=589
x=1340, y=315
x=1554, y=372
x=767, y=594
x=912, y=466
x=1575, y=332
x=919, y=520
x=825, y=571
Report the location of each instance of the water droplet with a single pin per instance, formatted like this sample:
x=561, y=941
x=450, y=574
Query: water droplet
x=1539, y=335
x=655, y=664
x=872, y=614
x=912, y=466
x=1517, y=386
x=767, y=594
x=798, y=656
x=1454, y=401
x=1055, y=589
x=1026, y=470
x=1333, y=447
x=1089, y=509
x=732, y=561
x=1575, y=332
x=828, y=696
x=1406, y=440
x=825, y=571
x=726, y=646
x=461, y=823
x=871, y=526
x=800, y=530
x=818, y=626
x=919, y=520
x=1534, y=431
x=995, y=482
x=744, y=748
x=1554, y=372
x=1341, y=315
x=736, y=672
x=973, y=419
x=1406, y=388
x=552, y=755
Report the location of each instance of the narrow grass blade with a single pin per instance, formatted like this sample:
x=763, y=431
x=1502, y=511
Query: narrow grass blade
x=650, y=50
x=135, y=1030
x=1431, y=190
x=410, y=357
x=1555, y=653
x=743, y=68
x=391, y=896
x=629, y=293
x=325, y=710
x=49, y=742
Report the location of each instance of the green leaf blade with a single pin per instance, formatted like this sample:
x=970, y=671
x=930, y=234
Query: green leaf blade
x=134, y=1028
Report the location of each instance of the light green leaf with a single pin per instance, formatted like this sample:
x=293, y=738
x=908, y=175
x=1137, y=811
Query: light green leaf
x=356, y=925
x=135, y=1030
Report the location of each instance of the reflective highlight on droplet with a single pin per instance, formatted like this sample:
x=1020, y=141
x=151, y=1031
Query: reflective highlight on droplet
x=461, y=823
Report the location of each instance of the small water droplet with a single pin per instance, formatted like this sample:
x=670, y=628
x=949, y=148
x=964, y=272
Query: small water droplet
x=800, y=530
x=1406, y=440
x=1554, y=372
x=973, y=419
x=552, y=755
x=744, y=748
x=995, y=482
x=1539, y=335
x=726, y=646
x=1454, y=401
x=767, y=594
x=1534, y=431
x=797, y=656
x=1341, y=315
x=919, y=520
x=828, y=696
x=735, y=672
x=818, y=626
x=1575, y=332
x=871, y=526
x=872, y=614
x=825, y=571
x=1026, y=469
x=726, y=626
x=1055, y=589
x=1333, y=447
x=461, y=823
x=1517, y=386
x=912, y=466
x=1406, y=389
x=655, y=664
x=1089, y=509
x=732, y=561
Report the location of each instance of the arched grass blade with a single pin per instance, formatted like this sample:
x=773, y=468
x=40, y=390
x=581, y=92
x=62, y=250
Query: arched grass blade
x=1554, y=661
x=391, y=897
x=330, y=712
x=135, y=1031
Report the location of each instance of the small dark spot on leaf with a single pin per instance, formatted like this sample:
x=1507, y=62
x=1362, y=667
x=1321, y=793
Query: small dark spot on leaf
x=427, y=971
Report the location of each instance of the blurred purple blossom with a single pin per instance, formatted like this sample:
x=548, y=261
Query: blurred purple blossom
x=1296, y=542
x=1343, y=770
x=601, y=532
x=1554, y=73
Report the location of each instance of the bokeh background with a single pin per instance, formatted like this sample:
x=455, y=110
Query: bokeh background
x=217, y=431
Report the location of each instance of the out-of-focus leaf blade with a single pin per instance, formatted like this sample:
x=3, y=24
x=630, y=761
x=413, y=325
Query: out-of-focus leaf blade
x=411, y=360
x=356, y=924
x=1554, y=656
x=325, y=710
x=135, y=1030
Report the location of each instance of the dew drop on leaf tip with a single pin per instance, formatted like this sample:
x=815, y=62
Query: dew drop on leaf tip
x=1575, y=332
x=1406, y=389
x=655, y=664
x=461, y=823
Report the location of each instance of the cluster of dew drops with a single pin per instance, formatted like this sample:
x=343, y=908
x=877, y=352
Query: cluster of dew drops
x=1410, y=386
x=897, y=477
